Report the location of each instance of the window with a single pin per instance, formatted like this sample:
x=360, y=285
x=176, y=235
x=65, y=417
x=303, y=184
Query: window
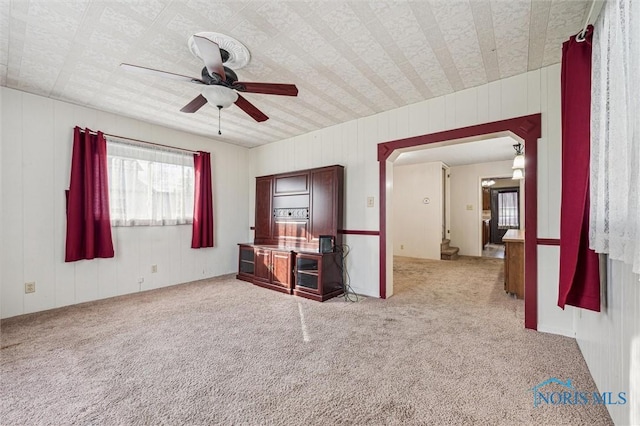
x=508, y=212
x=149, y=186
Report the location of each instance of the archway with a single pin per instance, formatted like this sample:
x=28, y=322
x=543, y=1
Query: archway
x=527, y=128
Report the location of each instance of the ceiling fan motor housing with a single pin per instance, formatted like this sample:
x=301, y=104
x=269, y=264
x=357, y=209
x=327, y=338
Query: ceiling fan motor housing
x=224, y=55
x=230, y=77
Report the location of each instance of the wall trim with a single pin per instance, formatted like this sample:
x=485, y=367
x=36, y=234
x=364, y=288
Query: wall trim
x=527, y=128
x=358, y=232
x=548, y=241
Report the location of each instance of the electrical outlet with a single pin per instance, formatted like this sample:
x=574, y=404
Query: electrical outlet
x=154, y=269
x=30, y=287
x=401, y=246
x=370, y=201
x=469, y=206
x=140, y=280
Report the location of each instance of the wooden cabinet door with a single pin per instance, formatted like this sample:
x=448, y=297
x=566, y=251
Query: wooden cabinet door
x=263, y=265
x=281, y=268
x=246, y=261
x=485, y=233
x=486, y=199
x=264, y=214
x=323, y=204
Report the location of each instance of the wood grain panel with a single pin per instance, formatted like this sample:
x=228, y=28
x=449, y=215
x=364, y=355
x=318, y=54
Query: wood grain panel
x=263, y=265
x=292, y=184
x=291, y=232
x=323, y=208
x=281, y=268
x=263, y=231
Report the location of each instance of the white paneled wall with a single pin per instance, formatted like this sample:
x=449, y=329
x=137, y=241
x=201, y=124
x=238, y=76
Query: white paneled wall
x=555, y=320
x=1, y=198
x=37, y=138
x=466, y=231
x=354, y=145
x=417, y=226
x=610, y=342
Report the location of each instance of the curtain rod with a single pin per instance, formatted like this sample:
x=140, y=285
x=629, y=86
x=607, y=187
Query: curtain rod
x=581, y=35
x=145, y=142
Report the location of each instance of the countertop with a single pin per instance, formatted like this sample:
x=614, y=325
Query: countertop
x=514, y=235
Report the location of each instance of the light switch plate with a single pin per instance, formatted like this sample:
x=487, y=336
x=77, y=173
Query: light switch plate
x=370, y=201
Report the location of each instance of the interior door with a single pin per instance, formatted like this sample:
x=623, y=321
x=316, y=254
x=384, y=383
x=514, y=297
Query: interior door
x=505, y=212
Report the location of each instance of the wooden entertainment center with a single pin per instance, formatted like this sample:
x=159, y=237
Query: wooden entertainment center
x=293, y=210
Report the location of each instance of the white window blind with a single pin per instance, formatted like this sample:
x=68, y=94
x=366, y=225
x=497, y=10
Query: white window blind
x=149, y=185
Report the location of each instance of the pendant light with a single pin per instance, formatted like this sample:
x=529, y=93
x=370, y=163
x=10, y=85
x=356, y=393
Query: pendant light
x=517, y=174
x=518, y=162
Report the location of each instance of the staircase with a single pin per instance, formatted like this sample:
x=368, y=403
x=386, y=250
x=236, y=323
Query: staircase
x=447, y=252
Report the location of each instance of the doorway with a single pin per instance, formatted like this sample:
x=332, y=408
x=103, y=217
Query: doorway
x=446, y=203
x=493, y=225
x=505, y=212
x=527, y=129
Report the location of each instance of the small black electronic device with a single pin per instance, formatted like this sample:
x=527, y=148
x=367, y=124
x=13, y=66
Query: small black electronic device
x=327, y=243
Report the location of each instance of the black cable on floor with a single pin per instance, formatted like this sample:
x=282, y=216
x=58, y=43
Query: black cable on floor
x=349, y=294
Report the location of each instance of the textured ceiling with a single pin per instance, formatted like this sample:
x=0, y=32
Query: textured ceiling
x=348, y=59
x=456, y=153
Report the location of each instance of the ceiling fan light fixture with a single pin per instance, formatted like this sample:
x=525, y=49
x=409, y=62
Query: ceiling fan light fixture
x=220, y=96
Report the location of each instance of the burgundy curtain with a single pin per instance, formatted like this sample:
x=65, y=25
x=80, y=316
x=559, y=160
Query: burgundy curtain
x=579, y=269
x=203, y=202
x=88, y=224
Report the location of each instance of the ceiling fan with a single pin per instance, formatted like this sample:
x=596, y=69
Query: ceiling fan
x=221, y=85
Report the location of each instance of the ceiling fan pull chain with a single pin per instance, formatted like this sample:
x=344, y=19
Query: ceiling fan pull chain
x=219, y=109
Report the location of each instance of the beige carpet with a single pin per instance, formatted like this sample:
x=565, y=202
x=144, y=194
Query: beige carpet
x=448, y=348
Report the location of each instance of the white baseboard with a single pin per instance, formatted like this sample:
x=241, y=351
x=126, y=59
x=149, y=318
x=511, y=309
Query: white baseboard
x=557, y=330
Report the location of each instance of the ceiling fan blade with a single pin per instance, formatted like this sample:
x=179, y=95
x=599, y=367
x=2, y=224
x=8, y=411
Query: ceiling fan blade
x=195, y=104
x=210, y=53
x=250, y=109
x=267, y=88
x=150, y=71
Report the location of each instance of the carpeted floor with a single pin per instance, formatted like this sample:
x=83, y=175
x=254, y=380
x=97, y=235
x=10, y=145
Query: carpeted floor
x=448, y=348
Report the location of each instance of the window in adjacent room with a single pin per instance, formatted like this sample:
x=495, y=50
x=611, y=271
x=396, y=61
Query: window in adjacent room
x=149, y=185
x=508, y=214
